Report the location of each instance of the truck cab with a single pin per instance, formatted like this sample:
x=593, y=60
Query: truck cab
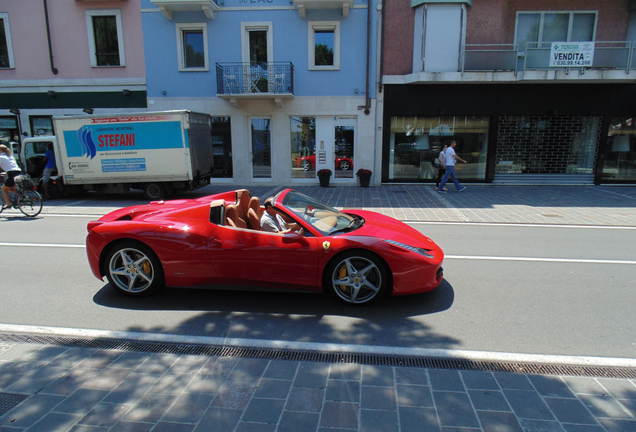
x=32, y=154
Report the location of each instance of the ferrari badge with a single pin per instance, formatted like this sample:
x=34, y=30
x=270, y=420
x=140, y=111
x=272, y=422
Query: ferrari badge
x=326, y=245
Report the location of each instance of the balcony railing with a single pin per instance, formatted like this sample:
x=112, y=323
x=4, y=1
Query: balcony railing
x=507, y=57
x=254, y=79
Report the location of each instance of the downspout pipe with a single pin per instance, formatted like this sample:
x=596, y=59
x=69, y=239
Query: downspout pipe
x=367, y=105
x=48, y=35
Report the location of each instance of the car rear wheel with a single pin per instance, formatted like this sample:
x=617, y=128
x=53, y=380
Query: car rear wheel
x=357, y=278
x=345, y=165
x=133, y=269
x=306, y=165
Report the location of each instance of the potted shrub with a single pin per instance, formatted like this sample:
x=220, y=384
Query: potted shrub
x=365, y=176
x=324, y=175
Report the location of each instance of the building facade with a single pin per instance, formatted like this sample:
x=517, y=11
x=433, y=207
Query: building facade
x=290, y=84
x=64, y=57
x=534, y=92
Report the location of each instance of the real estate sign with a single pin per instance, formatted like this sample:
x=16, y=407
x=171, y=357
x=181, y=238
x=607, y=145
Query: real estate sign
x=572, y=54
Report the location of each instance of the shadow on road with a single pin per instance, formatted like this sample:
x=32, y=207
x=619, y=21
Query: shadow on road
x=293, y=316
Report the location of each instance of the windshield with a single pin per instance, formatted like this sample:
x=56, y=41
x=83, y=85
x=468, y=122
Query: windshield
x=325, y=219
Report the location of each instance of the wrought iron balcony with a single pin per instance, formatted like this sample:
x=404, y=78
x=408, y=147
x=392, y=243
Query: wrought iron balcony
x=255, y=80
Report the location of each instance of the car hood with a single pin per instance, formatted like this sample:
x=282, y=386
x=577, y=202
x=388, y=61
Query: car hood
x=386, y=228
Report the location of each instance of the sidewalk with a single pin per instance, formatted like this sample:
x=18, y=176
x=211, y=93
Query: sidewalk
x=62, y=388
x=570, y=205
x=80, y=387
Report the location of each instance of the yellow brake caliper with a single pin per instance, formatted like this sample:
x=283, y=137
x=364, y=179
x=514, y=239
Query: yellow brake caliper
x=341, y=275
x=146, y=267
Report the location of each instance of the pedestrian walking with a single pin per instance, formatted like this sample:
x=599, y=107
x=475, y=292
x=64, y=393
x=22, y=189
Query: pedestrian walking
x=450, y=159
x=441, y=166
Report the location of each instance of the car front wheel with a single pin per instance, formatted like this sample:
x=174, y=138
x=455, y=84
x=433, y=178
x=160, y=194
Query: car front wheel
x=357, y=278
x=133, y=269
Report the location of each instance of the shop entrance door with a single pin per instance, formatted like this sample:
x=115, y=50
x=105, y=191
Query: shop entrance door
x=344, y=141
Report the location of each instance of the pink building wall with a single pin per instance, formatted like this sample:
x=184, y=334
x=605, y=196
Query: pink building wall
x=69, y=39
x=492, y=22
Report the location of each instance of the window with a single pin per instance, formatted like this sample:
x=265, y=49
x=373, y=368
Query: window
x=257, y=43
x=192, y=43
x=620, y=157
x=105, y=39
x=303, y=147
x=222, y=147
x=6, y=51
x=541, y=28
x=324, y=45
x=415, y=142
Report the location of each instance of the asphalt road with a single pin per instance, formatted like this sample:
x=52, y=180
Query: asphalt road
x=518, y=289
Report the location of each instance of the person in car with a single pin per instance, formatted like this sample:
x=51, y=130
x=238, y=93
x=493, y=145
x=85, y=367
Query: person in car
x=272, y=222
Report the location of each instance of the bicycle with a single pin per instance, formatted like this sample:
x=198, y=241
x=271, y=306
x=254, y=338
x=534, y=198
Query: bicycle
x=25, y=197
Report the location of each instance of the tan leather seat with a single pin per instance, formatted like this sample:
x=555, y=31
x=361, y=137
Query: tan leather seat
x=254, y=213
x=242, y=206
x=231, y=217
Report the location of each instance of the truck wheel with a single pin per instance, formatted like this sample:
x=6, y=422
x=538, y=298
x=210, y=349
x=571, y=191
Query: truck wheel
x=154, y=191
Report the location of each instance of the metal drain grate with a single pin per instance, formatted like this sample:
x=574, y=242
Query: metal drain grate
x=8, y=401
x=323, y=357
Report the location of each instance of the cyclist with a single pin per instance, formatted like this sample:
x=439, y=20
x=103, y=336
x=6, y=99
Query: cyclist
x=8, y=164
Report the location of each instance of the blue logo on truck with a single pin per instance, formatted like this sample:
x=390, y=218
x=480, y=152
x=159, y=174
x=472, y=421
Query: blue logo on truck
x=85, y=137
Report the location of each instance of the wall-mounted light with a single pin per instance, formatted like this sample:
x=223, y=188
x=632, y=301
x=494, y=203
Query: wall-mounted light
x=126, y=92
x=88, y=110
x=51, y=93
x=163, y=92
x=15, y=111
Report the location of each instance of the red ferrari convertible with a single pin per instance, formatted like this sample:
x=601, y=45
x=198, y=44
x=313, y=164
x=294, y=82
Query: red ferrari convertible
x=216, y=241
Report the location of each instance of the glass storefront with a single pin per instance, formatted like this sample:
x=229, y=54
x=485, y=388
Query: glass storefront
x=8, y=129
x=41, y=125
x=343, y=147
x=416, y=141
x=303, y=147
x=620, y=156
x=547, y=145
x=222, y=147
x=261, y=147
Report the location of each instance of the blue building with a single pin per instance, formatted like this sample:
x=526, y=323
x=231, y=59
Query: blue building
x=290, y=83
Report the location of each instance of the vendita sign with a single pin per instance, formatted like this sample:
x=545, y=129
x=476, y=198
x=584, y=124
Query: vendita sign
x=575, y=54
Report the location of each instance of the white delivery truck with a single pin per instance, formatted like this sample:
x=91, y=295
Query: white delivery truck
x=157, y=152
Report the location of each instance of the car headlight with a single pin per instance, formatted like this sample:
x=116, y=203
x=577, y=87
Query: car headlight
x=420, y=251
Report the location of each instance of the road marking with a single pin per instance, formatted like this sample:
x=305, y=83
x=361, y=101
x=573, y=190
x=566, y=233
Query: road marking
x=563, y=260
x=59, y=245
x=466, y=257
x=504, y=224
x=329, y=347
x=77, y=215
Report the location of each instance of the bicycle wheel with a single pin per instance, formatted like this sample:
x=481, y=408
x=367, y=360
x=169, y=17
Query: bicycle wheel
x=30, y=203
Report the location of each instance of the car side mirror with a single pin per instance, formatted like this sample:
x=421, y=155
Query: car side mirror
x=294, y=237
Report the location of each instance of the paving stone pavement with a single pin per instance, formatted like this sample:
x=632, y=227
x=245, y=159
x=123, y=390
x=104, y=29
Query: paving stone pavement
x=53, y=388
x=567, y=205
